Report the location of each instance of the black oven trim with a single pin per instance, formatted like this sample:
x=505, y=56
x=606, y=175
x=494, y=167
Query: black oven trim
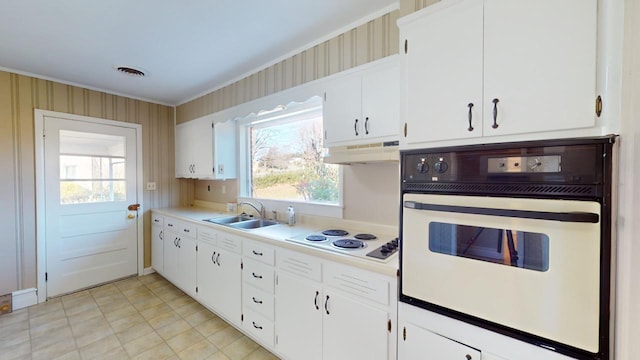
x=602, y=193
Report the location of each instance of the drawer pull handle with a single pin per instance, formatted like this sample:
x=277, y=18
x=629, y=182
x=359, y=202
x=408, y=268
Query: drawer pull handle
x=156, y=220
x=212, y=257
x=315, y=300
x=218, y=259
x=468, y=357
x=256, y=276
x=355, y=127
x=256, y=326
x=170, y=225
x=186, y=230
x=470, y=117
x=256, y=300
x=256, y=253
x=495, y=113
x=161, y=235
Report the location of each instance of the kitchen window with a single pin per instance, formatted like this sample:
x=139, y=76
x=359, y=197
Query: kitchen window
x=284, y=157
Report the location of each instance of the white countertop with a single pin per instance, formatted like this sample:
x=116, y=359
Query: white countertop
x=276, y=235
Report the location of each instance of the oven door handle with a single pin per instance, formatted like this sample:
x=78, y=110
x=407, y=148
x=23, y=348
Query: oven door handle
x=577, y=217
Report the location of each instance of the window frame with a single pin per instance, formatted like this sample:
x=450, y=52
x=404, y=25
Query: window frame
x=244, y=173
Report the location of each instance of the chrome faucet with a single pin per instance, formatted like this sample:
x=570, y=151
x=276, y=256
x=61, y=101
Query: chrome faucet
x=262, y=211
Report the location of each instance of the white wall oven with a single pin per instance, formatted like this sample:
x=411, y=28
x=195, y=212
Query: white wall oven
x=515, y=238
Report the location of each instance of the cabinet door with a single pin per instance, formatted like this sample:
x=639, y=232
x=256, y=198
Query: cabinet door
x=171, y=267
x=201, y=144
x=423, y=344
x=342, y=110
x=224, y=150
x=352, y=329
x=540, y=63
x=298, y=318
x=157, y=248
x=442, y=73
x=184, y=161
x=219, y=281
x=381, y=103
x=187, y=265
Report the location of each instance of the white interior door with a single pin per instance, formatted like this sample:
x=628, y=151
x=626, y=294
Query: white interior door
x=90, y=184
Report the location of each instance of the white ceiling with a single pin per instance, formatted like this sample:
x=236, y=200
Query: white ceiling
x=186, y=48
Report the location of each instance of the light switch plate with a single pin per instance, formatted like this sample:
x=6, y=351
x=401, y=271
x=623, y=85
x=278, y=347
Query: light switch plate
x=151, y=186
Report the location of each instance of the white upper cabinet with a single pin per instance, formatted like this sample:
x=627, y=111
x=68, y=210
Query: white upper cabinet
x=363, y=106
x=205, y=150
x=479, y=68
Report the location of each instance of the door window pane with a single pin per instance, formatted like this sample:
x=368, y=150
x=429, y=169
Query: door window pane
x=92, y=167
x=527, y=250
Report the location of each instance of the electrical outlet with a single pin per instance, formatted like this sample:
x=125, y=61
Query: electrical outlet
x=221, y=169
x=151, y=186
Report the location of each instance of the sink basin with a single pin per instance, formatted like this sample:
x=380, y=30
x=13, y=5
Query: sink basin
x=229, y=219
x=252, y=224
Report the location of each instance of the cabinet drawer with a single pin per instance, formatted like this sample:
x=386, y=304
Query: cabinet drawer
x=257, y=251
x=358, y=282
x=260, y=327
x=181, y=227
x=157, y=220
x=258, y=301
x=259, y=275
x=299, y=264
x=230, y=242
x=207, y=234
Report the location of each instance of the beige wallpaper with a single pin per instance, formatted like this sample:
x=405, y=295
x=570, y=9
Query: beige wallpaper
x=374, y=40
x=19, y=96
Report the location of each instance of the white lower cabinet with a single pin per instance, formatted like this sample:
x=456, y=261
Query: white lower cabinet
x=157, y=243
x=220, y=280
x=344, y=316
x=257, y=291
x=180, y=254
x=299, y=317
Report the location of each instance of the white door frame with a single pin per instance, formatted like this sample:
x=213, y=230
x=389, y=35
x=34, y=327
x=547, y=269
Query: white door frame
x=41, y=258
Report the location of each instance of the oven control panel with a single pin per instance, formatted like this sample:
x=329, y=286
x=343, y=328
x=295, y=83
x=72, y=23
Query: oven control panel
x=525, y=164
x=431, y=167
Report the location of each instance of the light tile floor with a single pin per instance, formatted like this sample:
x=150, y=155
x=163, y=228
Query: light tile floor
x=137, y=318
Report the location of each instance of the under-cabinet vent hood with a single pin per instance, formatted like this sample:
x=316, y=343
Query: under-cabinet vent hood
x=363, y=153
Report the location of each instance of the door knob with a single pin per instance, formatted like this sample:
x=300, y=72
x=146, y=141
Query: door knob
x=131, y=216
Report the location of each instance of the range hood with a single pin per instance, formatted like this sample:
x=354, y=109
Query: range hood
x=363, y=153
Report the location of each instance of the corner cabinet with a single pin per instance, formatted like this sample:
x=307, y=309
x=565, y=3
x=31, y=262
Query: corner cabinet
x=363, y=106
x=479, y=68
x=206, y=150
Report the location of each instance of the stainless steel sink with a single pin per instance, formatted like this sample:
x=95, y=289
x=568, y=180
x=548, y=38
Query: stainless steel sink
x=252, y=224
x=229, y=219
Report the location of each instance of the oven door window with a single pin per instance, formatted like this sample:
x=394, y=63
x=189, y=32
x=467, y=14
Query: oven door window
x=509, y=247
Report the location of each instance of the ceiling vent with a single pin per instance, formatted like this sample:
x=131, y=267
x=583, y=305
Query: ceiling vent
x=130, y=71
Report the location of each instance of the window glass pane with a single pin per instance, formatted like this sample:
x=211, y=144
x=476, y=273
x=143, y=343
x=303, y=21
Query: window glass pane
x=287, y=157
x=73, y=167
x=508, y=247
x=77, y=192
x=92, y=167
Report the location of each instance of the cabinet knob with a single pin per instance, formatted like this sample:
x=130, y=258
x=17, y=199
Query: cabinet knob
x=469, y=357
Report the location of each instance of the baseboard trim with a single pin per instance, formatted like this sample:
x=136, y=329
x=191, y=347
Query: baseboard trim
x=24, y=298
x=148, y=271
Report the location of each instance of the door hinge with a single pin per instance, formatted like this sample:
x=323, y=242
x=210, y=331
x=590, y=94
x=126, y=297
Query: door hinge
x=196, y=248
x=276, y=280
x=241, y=265
x=46, y=276
x=196, y=289
x=406, y=46
x=325, y=96
x=276, y=339
x=241, y=317
x=404, y=333
x=325, y=134
x=405, y=129
x=389, y=326
x=599, y=106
